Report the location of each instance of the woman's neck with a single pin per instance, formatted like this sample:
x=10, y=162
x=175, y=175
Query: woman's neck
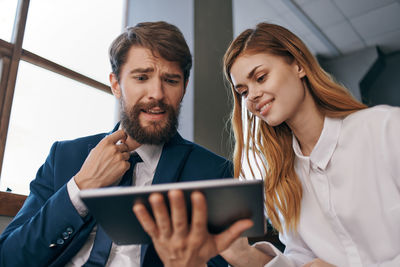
x=307, y=125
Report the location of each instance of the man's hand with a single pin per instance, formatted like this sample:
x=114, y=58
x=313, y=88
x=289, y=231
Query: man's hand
x=176, y=242
x=107, y=162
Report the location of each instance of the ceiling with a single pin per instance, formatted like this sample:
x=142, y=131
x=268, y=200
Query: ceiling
x=330, y=28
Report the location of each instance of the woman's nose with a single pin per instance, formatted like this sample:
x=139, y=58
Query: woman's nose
x=254, y=93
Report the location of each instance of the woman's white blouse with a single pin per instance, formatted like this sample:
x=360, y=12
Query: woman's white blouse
x=351, y=194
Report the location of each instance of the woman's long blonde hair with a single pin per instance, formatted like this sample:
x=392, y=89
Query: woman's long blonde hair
x=274, y=144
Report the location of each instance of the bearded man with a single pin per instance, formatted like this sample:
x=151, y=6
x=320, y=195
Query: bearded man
x=151, y=64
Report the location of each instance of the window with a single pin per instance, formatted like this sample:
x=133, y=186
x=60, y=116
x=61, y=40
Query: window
x=54, y=79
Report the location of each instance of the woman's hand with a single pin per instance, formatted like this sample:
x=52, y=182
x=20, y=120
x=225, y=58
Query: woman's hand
x=176, y=242
x=318, y=263
x=241, y=254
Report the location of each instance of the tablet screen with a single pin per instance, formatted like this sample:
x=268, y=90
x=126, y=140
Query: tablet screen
x=228, y=200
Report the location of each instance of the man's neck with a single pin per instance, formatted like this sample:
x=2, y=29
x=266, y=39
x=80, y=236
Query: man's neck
x=132, y=143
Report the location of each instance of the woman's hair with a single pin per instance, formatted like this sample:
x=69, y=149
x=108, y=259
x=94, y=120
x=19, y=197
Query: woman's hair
x=273, y=145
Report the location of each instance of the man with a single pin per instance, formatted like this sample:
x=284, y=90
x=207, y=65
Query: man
x=151, y=63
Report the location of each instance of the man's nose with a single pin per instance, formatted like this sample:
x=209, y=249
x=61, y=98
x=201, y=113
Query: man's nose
x=156, y=90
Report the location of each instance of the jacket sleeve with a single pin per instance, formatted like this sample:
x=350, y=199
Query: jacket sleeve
x=44, y=226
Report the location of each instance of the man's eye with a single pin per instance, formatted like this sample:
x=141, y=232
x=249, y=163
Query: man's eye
x=171, y=81
x=141, y=77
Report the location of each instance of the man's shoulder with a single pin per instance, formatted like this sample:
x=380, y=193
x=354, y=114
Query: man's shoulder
x=205, y=162
x=198, y=150
x=83, y=144
x=85, y=139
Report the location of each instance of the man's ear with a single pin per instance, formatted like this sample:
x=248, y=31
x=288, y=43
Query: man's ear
x=115, y=88
x=184, y=88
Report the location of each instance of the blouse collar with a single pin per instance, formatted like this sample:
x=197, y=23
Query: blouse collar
x=326, y=144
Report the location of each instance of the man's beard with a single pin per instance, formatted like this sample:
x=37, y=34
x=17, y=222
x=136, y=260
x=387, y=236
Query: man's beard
x=156, y=132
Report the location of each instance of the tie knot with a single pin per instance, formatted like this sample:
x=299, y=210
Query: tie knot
x=135, y=158
x=127, y=178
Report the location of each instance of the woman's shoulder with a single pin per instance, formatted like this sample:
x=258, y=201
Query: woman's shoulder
x=379, y=113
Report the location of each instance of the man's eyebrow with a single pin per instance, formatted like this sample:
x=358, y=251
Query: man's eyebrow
x=172, y=76
x=251, y=73
x=141, y=70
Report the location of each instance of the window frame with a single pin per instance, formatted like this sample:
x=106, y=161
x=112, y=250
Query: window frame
x=11, y=53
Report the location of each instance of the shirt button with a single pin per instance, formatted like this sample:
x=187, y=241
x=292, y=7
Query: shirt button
x=60, y=241
x=69, y=230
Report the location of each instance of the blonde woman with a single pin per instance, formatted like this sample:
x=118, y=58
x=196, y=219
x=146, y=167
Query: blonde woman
x=332, y=172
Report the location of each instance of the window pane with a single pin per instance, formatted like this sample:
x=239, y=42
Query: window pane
x=48, y=107
x=7, y=15
x=74, y=33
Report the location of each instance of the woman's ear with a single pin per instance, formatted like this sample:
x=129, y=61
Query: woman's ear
x=300, y=70
x=115, y=88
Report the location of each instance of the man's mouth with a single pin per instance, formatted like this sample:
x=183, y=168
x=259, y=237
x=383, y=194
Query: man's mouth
x=154, y=111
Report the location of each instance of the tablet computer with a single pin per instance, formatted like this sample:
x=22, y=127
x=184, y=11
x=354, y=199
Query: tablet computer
x=228, y=200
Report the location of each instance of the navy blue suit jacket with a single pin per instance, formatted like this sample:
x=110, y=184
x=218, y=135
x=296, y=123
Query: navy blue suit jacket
x=48, y=214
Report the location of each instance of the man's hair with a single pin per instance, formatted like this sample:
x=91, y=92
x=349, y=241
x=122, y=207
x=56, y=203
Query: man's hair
x=160, y=37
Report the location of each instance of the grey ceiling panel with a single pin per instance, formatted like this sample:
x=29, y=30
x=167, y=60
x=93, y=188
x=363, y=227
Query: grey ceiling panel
x=355, y=8
x=343, y=35
x=349, y=25
x=324, y=13
x=379, y=21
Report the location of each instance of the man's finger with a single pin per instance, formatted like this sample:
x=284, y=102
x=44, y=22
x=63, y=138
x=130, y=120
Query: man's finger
x=199, y=214
x=122, y=147
x=226, y=238
x=116, y=136
x=145, y=219
x=160, y=213
x=178, y=212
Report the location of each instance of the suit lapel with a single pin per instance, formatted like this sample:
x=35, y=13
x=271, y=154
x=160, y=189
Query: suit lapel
x=172, y=160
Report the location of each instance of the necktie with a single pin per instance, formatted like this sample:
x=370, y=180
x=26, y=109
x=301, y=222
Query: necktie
x=102, y=243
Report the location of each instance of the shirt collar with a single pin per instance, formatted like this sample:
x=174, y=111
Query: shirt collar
x=150, y=154
x=323, y=150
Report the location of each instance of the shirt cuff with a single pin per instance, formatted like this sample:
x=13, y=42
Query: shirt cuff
x=279, y=260
x=73, y=192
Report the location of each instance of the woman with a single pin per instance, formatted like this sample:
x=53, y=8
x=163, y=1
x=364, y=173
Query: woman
x=332, y=174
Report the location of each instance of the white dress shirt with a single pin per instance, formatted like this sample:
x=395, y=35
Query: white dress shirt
x=127, y=255
x=350, y=211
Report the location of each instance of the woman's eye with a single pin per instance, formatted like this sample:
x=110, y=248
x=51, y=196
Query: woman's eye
x=261, y=78
x=243, y=93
